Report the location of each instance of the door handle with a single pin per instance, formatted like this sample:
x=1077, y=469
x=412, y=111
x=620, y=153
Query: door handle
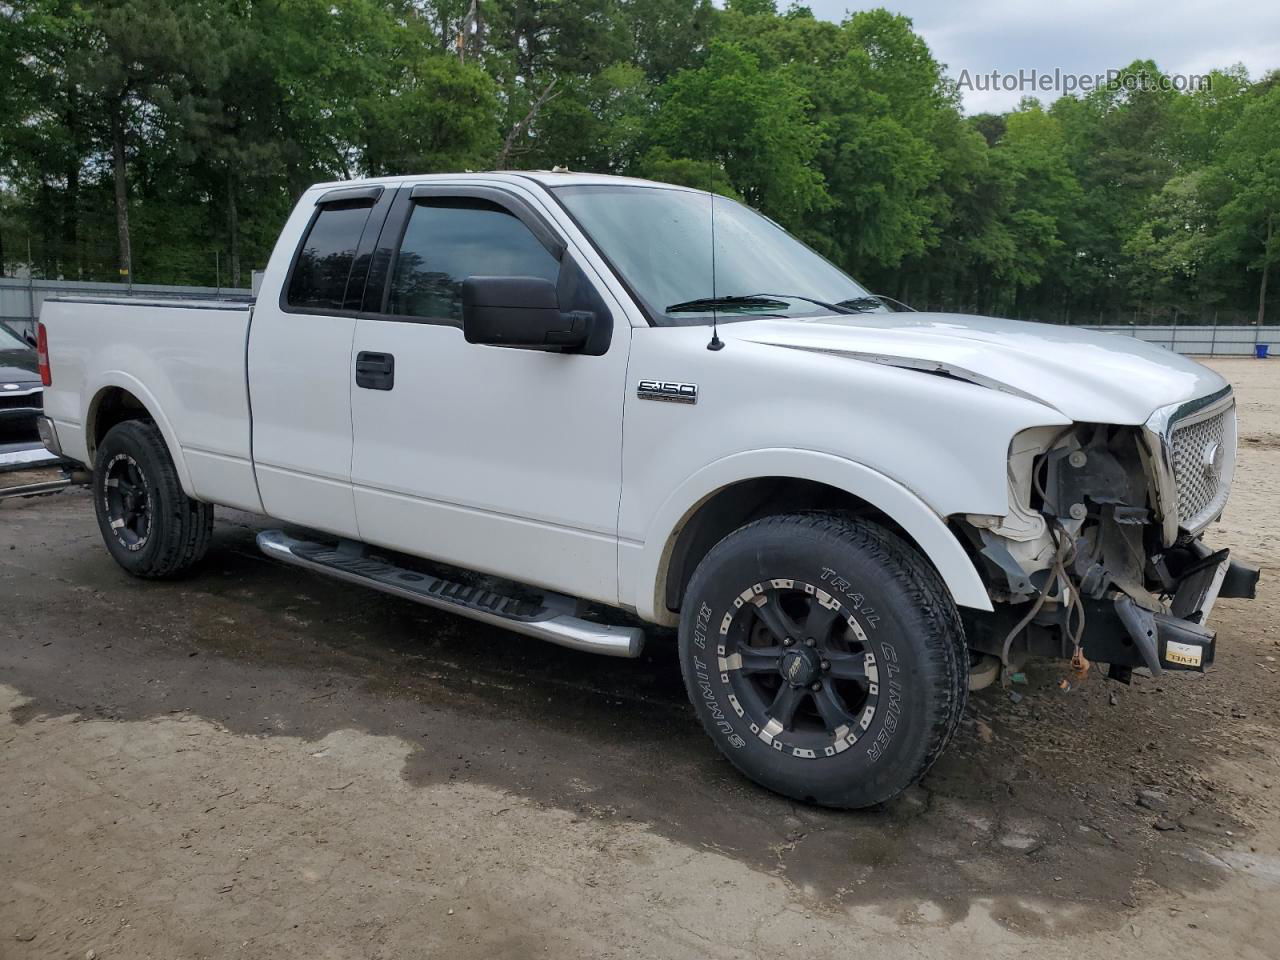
x=375, y=371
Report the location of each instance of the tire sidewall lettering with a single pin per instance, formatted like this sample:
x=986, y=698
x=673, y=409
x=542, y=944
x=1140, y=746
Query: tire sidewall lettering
x=889, y=659
x=892, y=687
x=103, y=495
x=702, y=674
x=851, y=598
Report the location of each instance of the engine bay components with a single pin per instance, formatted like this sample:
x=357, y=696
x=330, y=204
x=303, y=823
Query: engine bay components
x=1081, y=561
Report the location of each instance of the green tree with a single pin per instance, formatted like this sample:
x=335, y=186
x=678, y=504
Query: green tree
x=598, y=124
x=1118, y=140
x=1169, y=250
x=750, y=122
x=1045, y=194
x=884, y=97
x=659, y=165
x=881, y=104
x=435, y=115
x=667, y=36
x=1250, y=171
x=45, y=124
x=1199, y=120
x=169, y=138
x=136, y=55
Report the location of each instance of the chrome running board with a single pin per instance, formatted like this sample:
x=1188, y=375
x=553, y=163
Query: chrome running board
x=548, y=618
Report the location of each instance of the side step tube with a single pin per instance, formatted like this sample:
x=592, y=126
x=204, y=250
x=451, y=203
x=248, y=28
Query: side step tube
x=543, y=621
x=33, y=489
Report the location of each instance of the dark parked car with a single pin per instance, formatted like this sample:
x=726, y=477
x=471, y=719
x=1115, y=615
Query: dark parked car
x=21, y=395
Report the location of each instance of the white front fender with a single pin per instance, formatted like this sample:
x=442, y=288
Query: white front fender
x=643, y=566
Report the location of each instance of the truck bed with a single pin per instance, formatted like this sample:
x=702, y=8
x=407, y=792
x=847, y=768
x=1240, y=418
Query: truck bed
x=184, y=359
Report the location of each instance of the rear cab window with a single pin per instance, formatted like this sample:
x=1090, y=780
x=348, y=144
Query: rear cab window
x=327, y=275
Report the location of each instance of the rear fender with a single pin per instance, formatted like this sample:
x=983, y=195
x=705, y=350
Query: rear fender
x=124, y=381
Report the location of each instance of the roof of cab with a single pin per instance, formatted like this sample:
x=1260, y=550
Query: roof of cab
x=547, y=178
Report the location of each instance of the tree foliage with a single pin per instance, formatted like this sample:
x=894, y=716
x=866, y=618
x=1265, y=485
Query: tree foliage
x=170, y=137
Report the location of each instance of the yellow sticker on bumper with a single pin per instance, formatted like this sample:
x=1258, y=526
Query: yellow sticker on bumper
x=1186, y=654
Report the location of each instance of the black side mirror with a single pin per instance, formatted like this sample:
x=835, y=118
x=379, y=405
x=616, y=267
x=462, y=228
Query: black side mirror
x=521, y=312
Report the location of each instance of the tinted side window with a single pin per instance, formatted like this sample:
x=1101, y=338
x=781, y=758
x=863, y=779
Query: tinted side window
x=323, y=266
x=450, y=239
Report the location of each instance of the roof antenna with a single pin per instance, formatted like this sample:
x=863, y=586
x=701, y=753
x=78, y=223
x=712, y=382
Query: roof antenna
x=716, y=343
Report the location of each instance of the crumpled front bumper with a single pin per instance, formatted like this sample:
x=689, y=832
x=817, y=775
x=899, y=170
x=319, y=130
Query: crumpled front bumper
x=1127, y=635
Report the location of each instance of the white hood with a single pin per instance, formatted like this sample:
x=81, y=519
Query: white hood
x=1087, y=376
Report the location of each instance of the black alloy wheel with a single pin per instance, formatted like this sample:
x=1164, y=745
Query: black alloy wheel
x=802, y=670
x=148, y=523
x=824, y=657
x=127, y=502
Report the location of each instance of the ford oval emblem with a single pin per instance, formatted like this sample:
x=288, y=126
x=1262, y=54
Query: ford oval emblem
x=10, y=386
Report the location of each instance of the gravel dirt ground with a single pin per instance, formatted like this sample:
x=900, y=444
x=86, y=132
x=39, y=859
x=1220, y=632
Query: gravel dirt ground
x=254, y=762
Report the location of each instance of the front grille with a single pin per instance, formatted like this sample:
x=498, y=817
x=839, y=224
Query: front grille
x=12, y=401
x=1203, y=455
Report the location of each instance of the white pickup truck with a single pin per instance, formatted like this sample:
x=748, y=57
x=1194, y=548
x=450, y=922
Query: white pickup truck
x=575, y=405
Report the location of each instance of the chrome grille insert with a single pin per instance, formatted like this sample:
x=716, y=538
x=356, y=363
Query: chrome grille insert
x=1191, y=453
x=1202, y=449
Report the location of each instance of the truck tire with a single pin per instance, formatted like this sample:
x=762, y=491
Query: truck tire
x=825, y=658
x=149, y=525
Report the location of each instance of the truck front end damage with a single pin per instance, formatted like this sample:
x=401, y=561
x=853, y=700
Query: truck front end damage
x=1100, y=556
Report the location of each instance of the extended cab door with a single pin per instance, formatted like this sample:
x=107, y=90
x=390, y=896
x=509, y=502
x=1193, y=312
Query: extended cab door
x=299, y=359
x=497, y=459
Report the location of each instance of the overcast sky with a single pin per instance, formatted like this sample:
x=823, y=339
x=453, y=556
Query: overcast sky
x=1083, y=36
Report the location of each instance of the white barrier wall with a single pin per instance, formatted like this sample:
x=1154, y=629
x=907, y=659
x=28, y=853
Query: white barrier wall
x=20, y=307
x=1206, y=341
x=20, y=299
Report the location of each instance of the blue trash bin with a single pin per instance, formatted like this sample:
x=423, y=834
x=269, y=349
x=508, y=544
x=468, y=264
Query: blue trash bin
x=1260, y=350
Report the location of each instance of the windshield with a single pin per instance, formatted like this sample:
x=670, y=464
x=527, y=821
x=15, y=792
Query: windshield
x=659, y=240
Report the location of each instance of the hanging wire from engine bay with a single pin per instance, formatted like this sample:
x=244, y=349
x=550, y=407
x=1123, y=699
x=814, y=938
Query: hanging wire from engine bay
x=1068, y=591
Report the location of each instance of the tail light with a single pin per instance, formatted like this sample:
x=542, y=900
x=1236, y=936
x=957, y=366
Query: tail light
x=42, y=355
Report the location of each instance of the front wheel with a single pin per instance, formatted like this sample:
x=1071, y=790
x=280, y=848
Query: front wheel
x=824, y=657
x=150, y=526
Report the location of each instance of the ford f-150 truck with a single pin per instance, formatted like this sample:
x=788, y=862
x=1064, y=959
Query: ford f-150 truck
x=579, y=405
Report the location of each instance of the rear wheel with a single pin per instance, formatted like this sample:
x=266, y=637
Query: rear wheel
x=149, y=525
x=825, y=658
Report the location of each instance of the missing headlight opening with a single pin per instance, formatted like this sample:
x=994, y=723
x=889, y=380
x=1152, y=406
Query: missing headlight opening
x=1099, y=557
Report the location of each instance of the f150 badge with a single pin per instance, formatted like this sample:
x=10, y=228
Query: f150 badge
x=668, y=391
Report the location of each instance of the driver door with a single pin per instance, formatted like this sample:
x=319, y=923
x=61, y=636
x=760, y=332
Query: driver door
x=497, y=459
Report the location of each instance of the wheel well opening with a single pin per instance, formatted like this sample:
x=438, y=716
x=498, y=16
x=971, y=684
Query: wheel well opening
x=112, y=405
x=741, y=503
